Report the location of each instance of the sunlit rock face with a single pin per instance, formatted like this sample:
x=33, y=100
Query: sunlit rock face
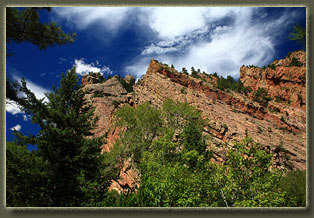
x=231, y=115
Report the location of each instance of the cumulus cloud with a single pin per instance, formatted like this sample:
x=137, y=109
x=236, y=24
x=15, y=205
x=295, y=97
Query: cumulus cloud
x=12, y=107
x=84, y=68
x=16, y=128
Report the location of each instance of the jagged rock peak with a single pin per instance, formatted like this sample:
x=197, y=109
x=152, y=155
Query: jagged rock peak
x=300, y=56
x=92, y=78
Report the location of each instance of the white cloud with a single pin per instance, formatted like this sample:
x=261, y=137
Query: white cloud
x=13, y=108
x=214, y=39
x=82, y=17
x=227, y=47
x=171, y=22
x=84, y=68
x=16, y=128
x=38, y=90
x=156, y=49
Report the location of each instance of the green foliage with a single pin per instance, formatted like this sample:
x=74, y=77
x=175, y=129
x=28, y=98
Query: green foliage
x=294, y=183
x=115, y=103
x=74, y=161
x=127, y=86
x=272, y=66
x=298, y=34
x=24, y=25
x=100, y=78
x=274, y=109
x=245, y=179
x=184, y=71
x=215, y=75
x=97, y=95
x=230, y=84
x=178, y=172
x=295, y=63
x=300, y=99
x=261, y=97
x=143, y=125
x=26, y=178
x=283, y=119
x=278, y=99
x=194, y=73
x=183, y=90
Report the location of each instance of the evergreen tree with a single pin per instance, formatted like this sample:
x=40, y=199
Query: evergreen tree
x=26, y=177
x=65, y=142
x=184, y=70
x=299, y=34
x=24, y=25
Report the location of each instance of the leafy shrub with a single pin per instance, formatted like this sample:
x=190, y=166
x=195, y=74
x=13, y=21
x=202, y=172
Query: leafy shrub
x=127, y=86
x=272, y=66
x=194, y=73
x=183, y=90
x=294, y=183
x=97, y=95
x=261, y=96
x=295, y=63
x=230, y=84
x=115, y=103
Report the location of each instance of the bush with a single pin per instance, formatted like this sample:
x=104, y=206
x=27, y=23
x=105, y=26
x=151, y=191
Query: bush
x=183, y=90
x=295, y=63
x=127, y=86
x=272, y=66
x=230, y=84
x=97, y=95
x=115, y=103
x=294, y=183
x=261, y=97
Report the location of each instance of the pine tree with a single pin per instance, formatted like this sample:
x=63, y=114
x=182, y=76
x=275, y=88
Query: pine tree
x=24, y=25
x=73, y=157
x=299, y=34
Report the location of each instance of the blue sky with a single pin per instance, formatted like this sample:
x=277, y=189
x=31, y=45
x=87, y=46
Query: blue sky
x=123, y=40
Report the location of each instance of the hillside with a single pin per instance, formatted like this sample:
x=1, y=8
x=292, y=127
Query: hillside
x=269, y=106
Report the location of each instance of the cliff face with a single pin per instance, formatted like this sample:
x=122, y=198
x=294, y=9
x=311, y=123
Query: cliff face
x=284, y=81
x=232, y=115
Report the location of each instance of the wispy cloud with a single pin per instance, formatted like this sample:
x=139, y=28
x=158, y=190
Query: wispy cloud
x=214, y=39
x=83, y=17
x=84, y=68
x=219, y=46
x=16, y=128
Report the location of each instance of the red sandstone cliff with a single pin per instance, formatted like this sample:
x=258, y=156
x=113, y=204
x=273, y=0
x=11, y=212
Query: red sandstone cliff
x=232, y=115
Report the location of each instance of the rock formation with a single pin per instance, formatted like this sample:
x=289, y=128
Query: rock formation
x=232, y=115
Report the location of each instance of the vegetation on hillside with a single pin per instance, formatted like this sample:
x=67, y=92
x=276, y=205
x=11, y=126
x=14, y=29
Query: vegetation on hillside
x=167, y=146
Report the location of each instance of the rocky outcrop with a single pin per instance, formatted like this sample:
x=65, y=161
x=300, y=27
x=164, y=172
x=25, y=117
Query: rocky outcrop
x=105, y=97
x=284, y=83
x=231, y=115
